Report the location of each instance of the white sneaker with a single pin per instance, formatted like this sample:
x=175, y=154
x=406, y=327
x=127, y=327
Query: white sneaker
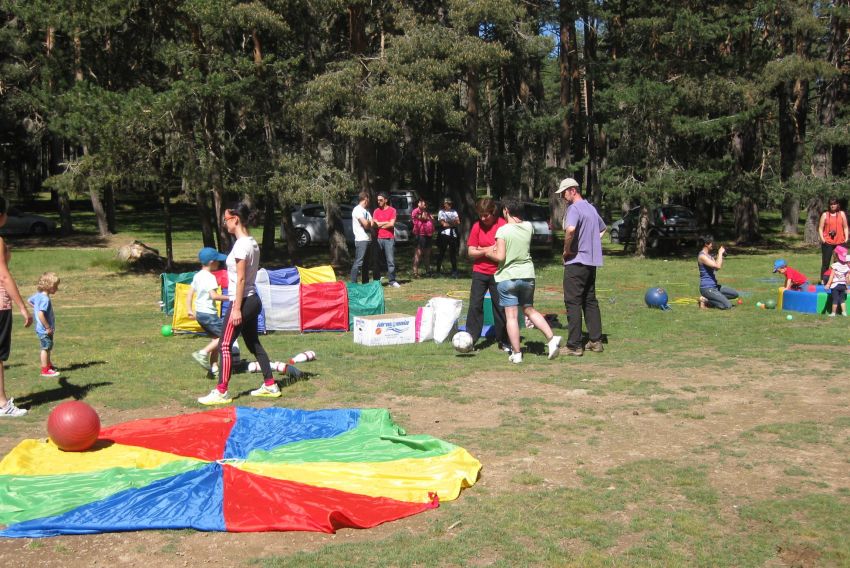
x=554, y=346
x=395, y=284
x=268, y=391
x=832, y=315
x=216, y=397
x=9, y=410
x=515, y=358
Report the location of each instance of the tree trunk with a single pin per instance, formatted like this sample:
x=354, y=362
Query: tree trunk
x=166, y=213
x=205, y=217
x=97, y=205
x=109, y=206
x=63, y=202
x=822, y=154
x=568, y=67
x=642, y=233
x=336, y=235
x=291, y=247
x=746, y=210
x=747, y=220
x=814, y=208
x=269, y=228
x=591, y=178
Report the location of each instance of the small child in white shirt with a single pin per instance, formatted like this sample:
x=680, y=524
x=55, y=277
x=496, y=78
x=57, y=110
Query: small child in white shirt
x=837, y=283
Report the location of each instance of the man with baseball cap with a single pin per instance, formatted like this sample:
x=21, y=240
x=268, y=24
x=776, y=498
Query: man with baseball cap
x=583, y=230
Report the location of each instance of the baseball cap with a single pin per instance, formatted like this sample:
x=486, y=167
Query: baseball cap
x=447, y=200
x=841, y=253
x=566, y=184
x=208, y=254
x=779, y=264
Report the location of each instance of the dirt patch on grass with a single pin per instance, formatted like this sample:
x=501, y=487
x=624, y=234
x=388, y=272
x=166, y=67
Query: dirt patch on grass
x=530, y=432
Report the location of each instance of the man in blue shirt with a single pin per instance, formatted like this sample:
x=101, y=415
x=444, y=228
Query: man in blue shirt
x=583, y=230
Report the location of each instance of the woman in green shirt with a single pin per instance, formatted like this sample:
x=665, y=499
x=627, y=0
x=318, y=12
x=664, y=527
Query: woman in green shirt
x=515, y=278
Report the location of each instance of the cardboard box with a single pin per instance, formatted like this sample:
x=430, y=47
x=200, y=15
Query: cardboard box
x=385, y=329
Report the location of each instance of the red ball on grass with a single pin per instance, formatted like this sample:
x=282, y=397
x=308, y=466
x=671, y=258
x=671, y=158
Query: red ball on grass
x=73, y=426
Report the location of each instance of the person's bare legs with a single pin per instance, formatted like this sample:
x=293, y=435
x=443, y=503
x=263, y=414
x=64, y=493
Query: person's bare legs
x=211, y=349
x=45, y=359
x=539, y=321
x=512, y=327
x=417, y=256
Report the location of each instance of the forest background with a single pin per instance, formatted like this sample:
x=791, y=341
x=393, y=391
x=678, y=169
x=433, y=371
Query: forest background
x=730, y=107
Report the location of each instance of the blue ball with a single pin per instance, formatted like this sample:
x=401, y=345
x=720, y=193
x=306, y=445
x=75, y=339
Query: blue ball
x=656, y=298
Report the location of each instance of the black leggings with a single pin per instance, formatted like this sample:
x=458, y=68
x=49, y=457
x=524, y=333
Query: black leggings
x=251, y=308
x=826, y=251
x=452, y=243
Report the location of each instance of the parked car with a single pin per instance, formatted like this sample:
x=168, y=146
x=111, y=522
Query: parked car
x=20, y=223
x=404, y=202
x=668, y=225
x=310, y=225
x=538, y=215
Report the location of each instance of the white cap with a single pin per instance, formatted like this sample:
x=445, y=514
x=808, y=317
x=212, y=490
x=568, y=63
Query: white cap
x=566, y=183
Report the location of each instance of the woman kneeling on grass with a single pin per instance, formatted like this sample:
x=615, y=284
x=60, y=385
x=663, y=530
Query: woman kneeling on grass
x=712, y=294
x=241, y=318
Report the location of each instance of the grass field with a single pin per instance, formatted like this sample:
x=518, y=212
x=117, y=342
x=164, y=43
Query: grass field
x=698, y=438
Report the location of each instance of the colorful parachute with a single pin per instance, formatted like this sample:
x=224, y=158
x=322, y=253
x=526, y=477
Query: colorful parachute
x=232, y=469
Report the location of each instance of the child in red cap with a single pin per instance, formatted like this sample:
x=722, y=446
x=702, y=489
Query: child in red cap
x=837, y=283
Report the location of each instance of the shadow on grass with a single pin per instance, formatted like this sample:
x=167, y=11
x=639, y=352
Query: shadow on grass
x=64, y=391
x=86, y=365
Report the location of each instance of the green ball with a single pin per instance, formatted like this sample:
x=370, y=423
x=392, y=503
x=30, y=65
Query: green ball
x=166, y=331
x=789, y=317
x=759, y=304
x=770, y=304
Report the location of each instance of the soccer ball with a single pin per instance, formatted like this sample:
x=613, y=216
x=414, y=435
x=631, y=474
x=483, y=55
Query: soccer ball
x=462, y=342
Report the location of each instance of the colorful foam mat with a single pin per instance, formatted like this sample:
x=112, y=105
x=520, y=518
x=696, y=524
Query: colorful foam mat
x=232, y=469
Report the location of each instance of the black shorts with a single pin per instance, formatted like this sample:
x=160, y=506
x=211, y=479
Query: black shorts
x=423, y=242
x=5, y=334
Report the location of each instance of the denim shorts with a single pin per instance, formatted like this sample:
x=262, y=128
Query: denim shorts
x=212, y=323
x=519, y=292
x=46, y=341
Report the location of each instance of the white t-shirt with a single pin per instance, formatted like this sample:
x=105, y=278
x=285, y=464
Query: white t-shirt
x=839, y=274
x=247, y=249
x=360, y=233
x=450, y=216
x=203, y=283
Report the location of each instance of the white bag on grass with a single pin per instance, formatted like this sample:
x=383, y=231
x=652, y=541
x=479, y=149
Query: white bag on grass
x=446, y=313
x=424, y=324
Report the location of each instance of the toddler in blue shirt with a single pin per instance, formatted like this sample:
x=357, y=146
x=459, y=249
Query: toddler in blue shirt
x=45, y=319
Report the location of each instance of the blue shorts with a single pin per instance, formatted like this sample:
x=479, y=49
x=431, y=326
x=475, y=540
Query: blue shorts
x=519, y=292
x=212, y=323
x=46, y=341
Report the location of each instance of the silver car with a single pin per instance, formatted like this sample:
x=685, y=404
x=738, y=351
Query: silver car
x=20, y=223
x=538, y=216
x=311, y=227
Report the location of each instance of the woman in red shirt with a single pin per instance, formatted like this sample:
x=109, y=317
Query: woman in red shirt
x=423, y=230
x=482, y=238
x=832, y=231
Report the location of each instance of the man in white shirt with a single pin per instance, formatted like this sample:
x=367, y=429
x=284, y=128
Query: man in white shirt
x=361, y=226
